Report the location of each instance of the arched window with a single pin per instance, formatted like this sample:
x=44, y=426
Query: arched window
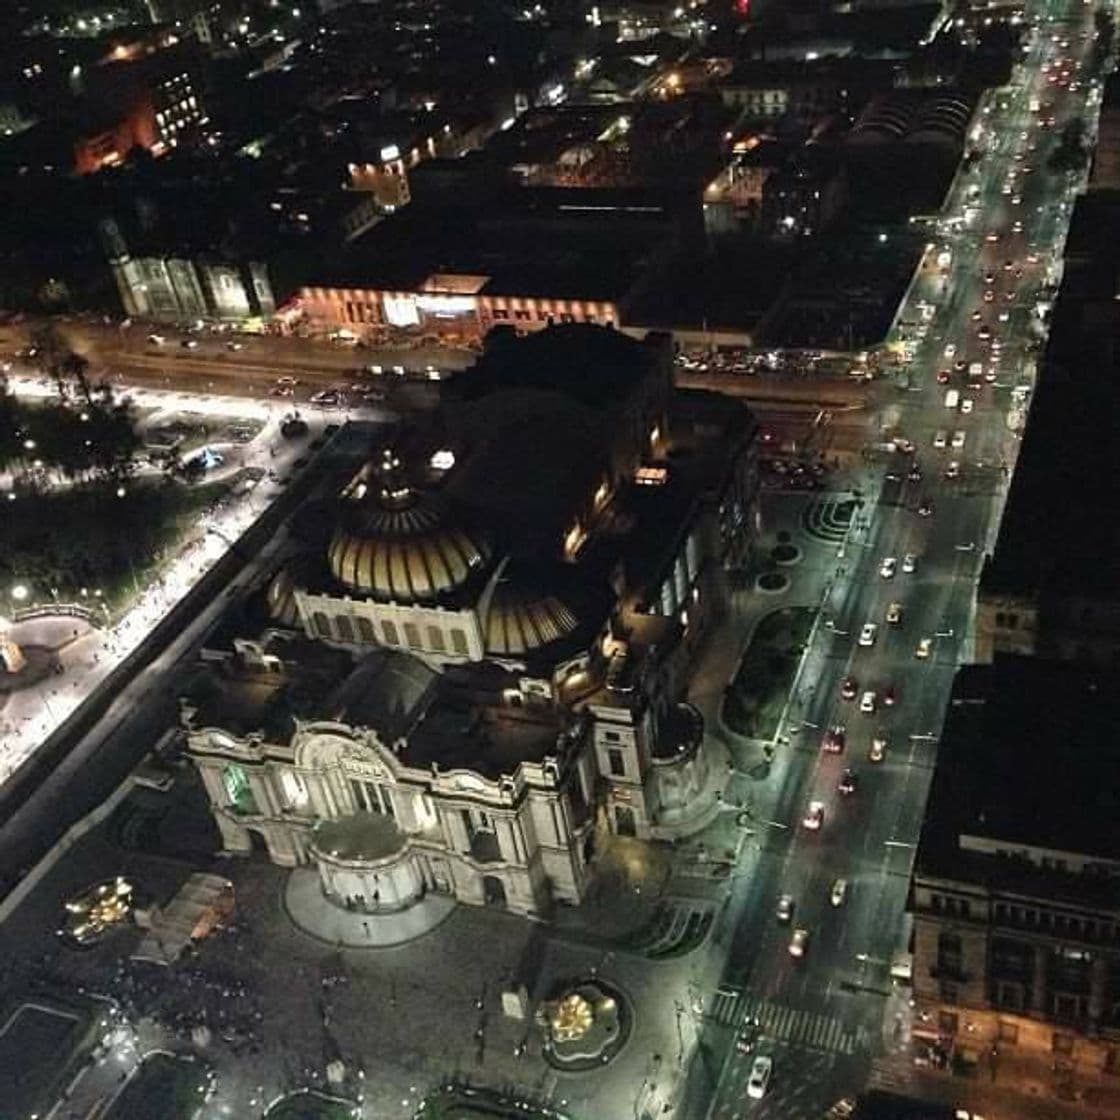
x=322, y=624
x=365, y=631
x=389, y=633
x=435, y=639
x=412, y=635
x=459, y=641
x=345, y=628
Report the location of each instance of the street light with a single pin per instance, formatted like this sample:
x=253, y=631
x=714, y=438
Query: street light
x=20, y=593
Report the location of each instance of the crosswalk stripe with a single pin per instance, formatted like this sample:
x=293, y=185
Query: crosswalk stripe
x=834, y=1034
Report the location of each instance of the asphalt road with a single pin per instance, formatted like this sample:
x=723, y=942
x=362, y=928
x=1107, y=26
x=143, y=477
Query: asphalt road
x=822, y=1016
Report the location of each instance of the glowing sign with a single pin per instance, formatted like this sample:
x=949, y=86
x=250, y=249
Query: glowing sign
x=446, y=305
x=390, y=152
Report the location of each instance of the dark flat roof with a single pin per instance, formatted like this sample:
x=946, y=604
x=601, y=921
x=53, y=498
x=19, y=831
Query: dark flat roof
x=1028, y=756
x=1058, y=533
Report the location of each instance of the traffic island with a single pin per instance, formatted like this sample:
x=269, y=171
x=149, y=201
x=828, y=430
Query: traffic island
x=756, y=696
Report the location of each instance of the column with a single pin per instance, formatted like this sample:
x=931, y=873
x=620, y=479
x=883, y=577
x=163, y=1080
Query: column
x=507, y=841
x=1039, y=993
x=1098, y=980
x=456, y=830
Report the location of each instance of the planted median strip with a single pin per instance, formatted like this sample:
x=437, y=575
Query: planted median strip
x=754, y=699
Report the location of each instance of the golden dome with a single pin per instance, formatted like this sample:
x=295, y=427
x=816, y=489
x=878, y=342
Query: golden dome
x=397, y=544
x=522, y=619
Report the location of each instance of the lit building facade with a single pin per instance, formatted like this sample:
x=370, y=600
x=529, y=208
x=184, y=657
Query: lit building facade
x=513, y=671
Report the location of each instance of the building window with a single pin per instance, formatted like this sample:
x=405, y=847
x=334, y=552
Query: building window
x=345, y=629
x=459, y=641
x=612, y=736
x=238, y=789
x=616, y=762
x=435, y=640
x=365, y=630
x=389, y=632
x=322, y=624
x=412, y=635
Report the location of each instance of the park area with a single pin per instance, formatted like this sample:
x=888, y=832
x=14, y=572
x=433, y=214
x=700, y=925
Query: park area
x=164, y=1087
x=41, y=1042
x=756, y=696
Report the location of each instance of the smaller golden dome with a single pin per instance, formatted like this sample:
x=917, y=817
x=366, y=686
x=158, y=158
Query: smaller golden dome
x=523, y=618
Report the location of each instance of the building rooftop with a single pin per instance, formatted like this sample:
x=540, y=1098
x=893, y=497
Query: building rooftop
x=1027, y=760
x=1057, y=539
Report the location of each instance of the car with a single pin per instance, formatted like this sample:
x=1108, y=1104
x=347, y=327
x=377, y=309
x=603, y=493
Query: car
x=1017, y=200
x=282, y=391
x=748, y=1036
x=867, y=702
x=1004, y=317
x=814, y=816
x=189, y=344
x=989, y=295
x=957, y=441
x=848, y=688
x=894, y=613
x=950, y=349
x=234, y=345
x=984, y=333
x=784, y=910
x=887, y=567
x=922, y=651
x=847, y=783
x=153, y=339
x=878, y=749
x=977, y=315
x=953, y=470
x=839, y=893
x=967, y=405
x=943, y=376
x=833, y=740
x=910, y=563
x=989, y=277
x=926, y=507
x=1016, y=226
x=868, y=633
x=799, y=942
x=762, y=1069
x=992, y=372
x=292, y=381
x=889, y=696
x=992, y=237
x=940, y=438
x=914, y=474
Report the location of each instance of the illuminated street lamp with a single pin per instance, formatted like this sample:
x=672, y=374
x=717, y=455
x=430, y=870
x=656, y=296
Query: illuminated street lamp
x=20, y=593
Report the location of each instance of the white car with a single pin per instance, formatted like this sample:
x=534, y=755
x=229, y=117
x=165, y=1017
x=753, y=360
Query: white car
x=967, y=405
x=958, y=440
x=156, y=339
x=814, y=816
x=799, y=942
x=950, y=349
x=839, y=892
x=953, y=470
x=784, y=910
x=760, y=1074
x=940, y=438
x=868, y=634
x=867, y=702
x=910, y=563
x=894, y=613
x=878, y=749
x=923, y=650
x=887, y=567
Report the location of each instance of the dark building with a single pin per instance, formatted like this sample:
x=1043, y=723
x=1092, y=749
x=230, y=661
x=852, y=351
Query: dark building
x=1015, y=891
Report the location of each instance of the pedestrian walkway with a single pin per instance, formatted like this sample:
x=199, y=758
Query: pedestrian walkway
x=798, y=1026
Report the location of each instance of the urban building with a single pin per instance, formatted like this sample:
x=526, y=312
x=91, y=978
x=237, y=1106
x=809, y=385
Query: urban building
x=1014, y=892
x=1051, y=585
x=483, y=661
x=528, y=259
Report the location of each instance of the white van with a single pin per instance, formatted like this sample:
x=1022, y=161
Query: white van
x=952, y=398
